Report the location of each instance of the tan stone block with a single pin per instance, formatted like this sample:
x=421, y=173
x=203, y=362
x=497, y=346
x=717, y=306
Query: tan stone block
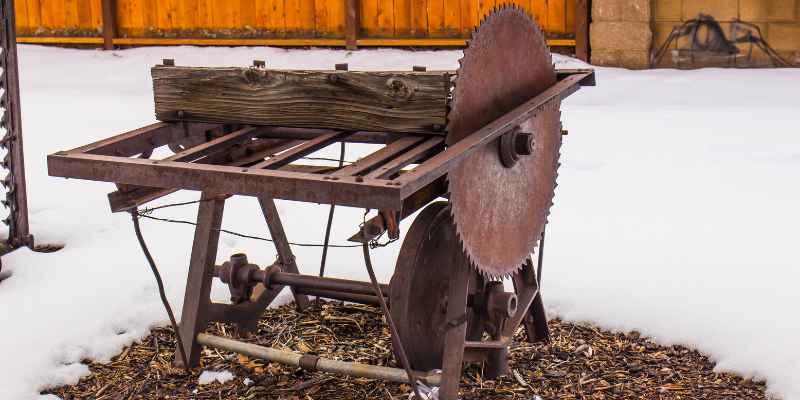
x=784, y=36
x=634, y=59
x=721, y=10
x=668, y=10
x=767, y=10
x=605, y=57
x=636, y=11
x=620, y=36
x=607, y=10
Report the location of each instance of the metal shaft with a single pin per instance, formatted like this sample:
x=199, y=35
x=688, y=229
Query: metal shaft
x=299, y=281
x=330, y=294
x=325, y=365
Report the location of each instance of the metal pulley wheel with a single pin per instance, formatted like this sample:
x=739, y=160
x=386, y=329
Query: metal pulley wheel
x=428, y=259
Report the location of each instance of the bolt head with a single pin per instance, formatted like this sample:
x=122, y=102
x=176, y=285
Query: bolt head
x=523, y=143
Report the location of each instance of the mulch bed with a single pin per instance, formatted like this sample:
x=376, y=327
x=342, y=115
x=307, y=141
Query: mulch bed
x=581, y=362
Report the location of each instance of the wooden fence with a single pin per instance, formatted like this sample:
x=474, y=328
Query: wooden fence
x=282, y=22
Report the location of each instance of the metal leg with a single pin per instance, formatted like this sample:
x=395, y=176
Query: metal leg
x=530, y=311
x=284, y=249
x=456, y=330
x=196, y=300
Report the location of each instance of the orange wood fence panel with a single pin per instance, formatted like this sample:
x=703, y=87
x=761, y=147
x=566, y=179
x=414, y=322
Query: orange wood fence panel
x=278, y=19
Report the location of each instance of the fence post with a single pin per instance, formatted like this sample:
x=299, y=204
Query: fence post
x=109, y=23
x=582, y=29
x=351, y=23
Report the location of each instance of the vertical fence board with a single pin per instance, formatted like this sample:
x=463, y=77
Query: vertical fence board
x=204, y=14
x=270, y=15
x=556, y=19
x=368, y=18
x=218, y=14
x=247, y=14
x=436, y=17
x=21, y=17
x=402, y=18
x=539, y=8
x=34, y=13
x=329, y=18
x=53, y=14
x=569, y=16
x=85, y=15
x=485, y=8
x=96, y=12
x=419, y=18
x=71, y=17
x=386, y=18
x=452, y=18
x=186, y=15
x=300, y=18
x=469, y=16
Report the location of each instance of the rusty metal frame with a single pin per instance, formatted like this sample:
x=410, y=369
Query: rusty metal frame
x=397, y=179
x=376, y=186
x=16, y=196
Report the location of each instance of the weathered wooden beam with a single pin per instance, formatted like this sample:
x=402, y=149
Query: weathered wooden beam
x=346, y=100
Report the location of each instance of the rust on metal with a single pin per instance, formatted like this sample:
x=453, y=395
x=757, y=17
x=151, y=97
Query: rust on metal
x=11, y=127
x=481, y=195
x=499, y=197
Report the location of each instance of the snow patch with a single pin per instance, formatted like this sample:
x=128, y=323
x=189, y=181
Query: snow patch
x=207, y=377
x=676, y=212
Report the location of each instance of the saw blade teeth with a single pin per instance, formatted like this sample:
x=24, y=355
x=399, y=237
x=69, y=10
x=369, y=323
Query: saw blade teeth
x=457, y=106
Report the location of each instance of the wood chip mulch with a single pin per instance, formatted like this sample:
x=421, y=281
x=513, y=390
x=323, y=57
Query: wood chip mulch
x=581, y=362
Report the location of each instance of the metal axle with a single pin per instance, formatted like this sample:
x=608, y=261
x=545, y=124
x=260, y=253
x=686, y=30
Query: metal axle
x=311, y=362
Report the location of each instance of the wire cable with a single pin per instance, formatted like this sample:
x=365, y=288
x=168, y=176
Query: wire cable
x=242, y=235
x=160, y=283
x=388, y=316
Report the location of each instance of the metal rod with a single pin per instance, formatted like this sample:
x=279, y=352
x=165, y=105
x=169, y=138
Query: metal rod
x=540, y=262
x=385, y=308
x=300, y=281
x=370, y=300
x=160, y=284
x=324, y=258
x=324, y=365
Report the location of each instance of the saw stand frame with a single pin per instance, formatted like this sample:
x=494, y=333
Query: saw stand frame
x=398, y=179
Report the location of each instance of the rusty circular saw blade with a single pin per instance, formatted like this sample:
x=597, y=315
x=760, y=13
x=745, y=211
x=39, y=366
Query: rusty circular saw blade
x=500, y=212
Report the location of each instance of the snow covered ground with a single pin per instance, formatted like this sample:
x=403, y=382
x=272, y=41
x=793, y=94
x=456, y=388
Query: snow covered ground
x=676, y=213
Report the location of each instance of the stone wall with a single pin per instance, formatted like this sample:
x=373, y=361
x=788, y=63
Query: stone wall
x=625, y=32
x=620, y=33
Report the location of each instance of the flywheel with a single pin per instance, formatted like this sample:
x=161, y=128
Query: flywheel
x=418, y=290
x=501, y=194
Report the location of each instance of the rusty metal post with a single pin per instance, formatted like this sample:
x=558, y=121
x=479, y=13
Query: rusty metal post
x=351, y=23
x=197, y=299
x=582, y=15
x=282, y=245
x=16, y=196
x=109, y=23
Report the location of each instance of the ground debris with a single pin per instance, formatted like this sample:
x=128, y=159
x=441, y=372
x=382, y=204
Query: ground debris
x=581, y=362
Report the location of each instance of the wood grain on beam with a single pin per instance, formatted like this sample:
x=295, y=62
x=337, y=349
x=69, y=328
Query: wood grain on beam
x=372, y=101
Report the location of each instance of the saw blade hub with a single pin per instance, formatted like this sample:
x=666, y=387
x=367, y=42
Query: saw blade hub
x=513, y=145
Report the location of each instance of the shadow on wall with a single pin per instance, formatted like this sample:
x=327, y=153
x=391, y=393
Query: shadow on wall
x=702, y=42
